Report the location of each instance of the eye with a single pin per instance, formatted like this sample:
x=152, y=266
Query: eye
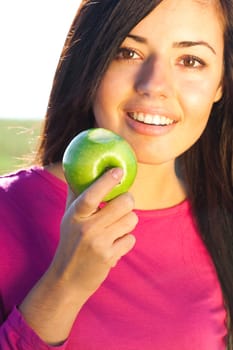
x=191, y=61
x=125, y=53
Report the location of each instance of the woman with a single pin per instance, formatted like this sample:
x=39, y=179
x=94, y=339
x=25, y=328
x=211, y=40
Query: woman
x=152, y=269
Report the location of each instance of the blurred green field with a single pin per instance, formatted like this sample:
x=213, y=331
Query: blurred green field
x=18, y=141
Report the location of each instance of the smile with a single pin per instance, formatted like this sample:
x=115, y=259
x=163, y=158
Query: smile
x=158, y=120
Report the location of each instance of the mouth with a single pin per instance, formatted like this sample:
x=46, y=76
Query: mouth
x=150, y=119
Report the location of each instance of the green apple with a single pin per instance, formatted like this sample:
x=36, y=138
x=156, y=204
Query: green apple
x=94, y=151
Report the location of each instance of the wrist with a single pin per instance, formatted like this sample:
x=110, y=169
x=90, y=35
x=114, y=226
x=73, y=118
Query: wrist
x=51, y=308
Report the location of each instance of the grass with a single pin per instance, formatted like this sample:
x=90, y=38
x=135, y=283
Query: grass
x=18, y=141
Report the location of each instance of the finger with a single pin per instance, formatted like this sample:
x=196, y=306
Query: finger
x=122, y=246
x=115, y=209
x=88, y=202
x=120, y=228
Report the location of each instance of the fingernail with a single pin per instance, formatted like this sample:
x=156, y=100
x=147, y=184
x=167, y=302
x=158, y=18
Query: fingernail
x=117, y=173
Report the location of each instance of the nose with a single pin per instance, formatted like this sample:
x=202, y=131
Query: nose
x=154, y=79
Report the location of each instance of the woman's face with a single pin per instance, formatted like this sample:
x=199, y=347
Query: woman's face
x=159, y=90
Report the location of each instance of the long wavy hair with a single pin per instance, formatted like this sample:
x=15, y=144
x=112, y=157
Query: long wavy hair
x=95, y=35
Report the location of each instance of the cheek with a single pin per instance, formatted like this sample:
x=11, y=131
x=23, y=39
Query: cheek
x=105, y=104
x=102, y=102
x=106, y=91
x=111, y=93
x=197, y=98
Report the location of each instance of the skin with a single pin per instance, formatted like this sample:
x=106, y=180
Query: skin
x=153, y=79
x=168, y=75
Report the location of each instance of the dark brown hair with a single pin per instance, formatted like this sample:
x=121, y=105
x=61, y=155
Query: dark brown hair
x=95, y=35
x=208, y=171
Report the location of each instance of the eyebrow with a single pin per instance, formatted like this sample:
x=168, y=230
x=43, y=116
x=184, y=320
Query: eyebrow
x=181, y=44
x=137, y=38
x=193, y=43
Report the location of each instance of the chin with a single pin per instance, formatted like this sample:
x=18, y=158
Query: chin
x=152, y=160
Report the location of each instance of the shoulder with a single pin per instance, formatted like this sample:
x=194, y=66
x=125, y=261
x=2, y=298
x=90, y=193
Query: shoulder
x=27, y=185
x=14, y=178
x=17, y=182
x=31, y=179
x=27, y=196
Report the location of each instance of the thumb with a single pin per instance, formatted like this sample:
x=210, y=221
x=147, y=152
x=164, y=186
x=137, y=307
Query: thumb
x=70, y=197
x=88, y=202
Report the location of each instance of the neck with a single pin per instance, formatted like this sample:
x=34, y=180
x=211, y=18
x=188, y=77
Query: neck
x=56, y=170
x=155, y=186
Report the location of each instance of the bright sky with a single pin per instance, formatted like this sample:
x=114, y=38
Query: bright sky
x=32, y=34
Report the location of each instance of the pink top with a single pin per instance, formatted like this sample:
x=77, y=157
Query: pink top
x=163, y=295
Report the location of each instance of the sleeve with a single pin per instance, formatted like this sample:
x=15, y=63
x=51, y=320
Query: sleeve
x=15, y=334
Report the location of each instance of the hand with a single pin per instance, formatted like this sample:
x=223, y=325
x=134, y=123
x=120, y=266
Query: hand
x=92, y=239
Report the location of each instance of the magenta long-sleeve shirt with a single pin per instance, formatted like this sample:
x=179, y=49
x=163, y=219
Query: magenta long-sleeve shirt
x=162, y=295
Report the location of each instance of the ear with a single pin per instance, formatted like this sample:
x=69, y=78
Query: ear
x=218, y=94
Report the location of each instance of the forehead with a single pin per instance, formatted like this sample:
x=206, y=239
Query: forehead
x=184, y=16
x=216, y=5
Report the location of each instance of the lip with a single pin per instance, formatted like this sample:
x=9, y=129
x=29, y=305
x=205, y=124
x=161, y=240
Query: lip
x=150, y=129
x=153, y=110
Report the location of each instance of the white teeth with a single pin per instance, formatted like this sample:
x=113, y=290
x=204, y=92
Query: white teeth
x=148, y=119
x=157, y=120
x=163, y=120
x=140, y=117
x=151, y=119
